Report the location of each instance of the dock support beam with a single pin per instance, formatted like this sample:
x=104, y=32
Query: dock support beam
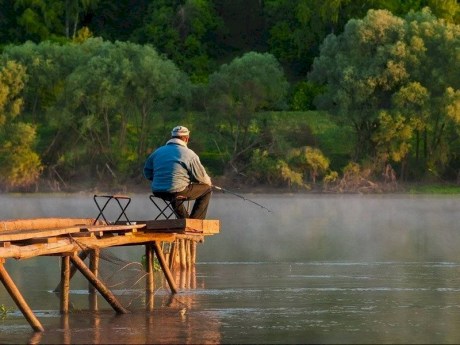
x=65, y=284
x=183, y=254
x=103, y=290
x=149, y=269
x=19, y=300
x=94, y=255
x=73, y=269
x=173, y=255
x=164, y=267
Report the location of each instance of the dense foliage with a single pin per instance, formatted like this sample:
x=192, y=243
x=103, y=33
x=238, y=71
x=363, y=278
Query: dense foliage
x=384, y=77
x=89, y=87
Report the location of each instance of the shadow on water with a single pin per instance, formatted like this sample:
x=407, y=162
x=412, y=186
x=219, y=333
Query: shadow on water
x=320, y=269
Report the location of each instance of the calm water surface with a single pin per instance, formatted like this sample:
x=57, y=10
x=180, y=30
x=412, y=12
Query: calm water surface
x=320, y=269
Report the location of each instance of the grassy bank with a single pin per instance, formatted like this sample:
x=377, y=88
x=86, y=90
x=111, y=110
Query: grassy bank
x=434, y=189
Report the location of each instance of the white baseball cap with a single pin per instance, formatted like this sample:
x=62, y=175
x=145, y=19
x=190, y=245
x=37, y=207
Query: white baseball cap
x=180, y=131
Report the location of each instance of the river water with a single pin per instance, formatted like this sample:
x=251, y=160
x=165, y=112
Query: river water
x=319, y=269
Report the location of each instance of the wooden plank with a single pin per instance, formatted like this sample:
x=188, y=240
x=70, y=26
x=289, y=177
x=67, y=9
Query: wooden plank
x=101, y=228
x=18, y=235
x=39, y=240
x=33, y=250
x=206, y=226
x=68, y=245
x=210, y=226
x=43, y=223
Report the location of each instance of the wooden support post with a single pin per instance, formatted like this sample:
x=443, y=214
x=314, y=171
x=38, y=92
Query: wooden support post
x=65, y=284
x=94, y=255
x=188, y=253
x=183, y=255
x=94, y=266
x=65, y=325
x=96, y=326
x=183, y=279
x=73, y=269
x=19, y=300
x=193, y=283
x=103, y=290
x=36, y=339
x=189, y=277
x=193, y=252
x=164, y=267
x=166, y=253
x=172, y=255
x=150, y=282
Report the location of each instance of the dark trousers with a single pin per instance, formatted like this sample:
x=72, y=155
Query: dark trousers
x=199, y=192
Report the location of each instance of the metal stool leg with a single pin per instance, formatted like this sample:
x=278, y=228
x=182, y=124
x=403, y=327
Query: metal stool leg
x=168, y=210
x=117, y=198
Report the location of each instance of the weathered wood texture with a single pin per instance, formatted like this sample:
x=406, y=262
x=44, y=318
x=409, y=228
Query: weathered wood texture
x=43, y=223
x=65, y=284
x=20, y=235
x=70, y=245
x=103, y=290
x=19, y=300
x=66, y=237
x=27, y=243
x=164, y=267
x=116, y=228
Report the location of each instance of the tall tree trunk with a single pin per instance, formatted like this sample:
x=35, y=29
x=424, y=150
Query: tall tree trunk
x=67, y=19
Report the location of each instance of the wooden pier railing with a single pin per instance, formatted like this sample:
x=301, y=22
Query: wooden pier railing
x=74, y=238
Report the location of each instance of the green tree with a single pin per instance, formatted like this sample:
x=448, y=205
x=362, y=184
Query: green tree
x=74, y=9
x=51, y=19
x=383, y=76
x=308, y=160
x=296, y=28
x=113, y=132
x=237, y=91
x=12, y=77
x=95, y=104
x=184, y=31
x=20, y=165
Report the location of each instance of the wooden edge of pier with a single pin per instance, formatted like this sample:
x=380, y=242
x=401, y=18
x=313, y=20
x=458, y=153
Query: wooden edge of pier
x=70, y=237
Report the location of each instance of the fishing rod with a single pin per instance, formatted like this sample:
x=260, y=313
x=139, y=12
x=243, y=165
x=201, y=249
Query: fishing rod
x=223, y=190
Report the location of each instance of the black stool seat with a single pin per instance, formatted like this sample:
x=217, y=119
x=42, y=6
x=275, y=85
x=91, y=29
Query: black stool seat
x=164, y=203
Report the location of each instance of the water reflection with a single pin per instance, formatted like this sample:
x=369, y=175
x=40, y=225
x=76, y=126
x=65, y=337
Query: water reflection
x=322, y=269
x=174, y=319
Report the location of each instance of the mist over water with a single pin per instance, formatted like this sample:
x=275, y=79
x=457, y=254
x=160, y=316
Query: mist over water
x=319, y=269
x=349, y=227
x=301, y=227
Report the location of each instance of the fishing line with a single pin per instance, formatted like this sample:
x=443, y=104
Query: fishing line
x=223, y=190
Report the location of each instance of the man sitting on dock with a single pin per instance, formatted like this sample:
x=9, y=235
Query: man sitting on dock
x=177, y=174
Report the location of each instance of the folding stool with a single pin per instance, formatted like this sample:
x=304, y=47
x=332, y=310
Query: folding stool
x=165, y=207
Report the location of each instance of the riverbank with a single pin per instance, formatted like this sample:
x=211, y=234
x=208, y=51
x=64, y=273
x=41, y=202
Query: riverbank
x=143, y=186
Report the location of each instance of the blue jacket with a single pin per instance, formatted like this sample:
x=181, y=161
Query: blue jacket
x=172, y=167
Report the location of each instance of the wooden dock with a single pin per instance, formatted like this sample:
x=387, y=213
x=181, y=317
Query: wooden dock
x=73, y=239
